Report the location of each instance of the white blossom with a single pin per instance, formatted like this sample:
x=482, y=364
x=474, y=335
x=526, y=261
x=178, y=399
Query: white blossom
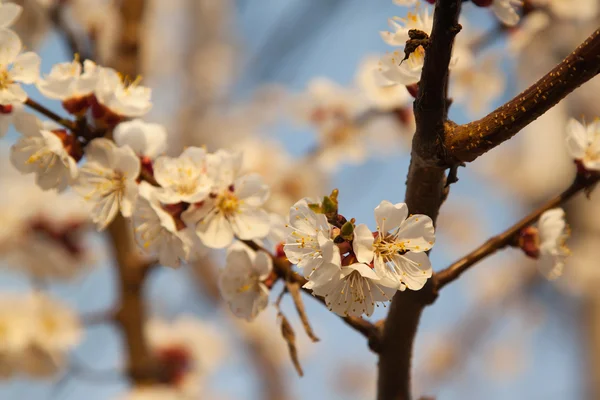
x=43, y=153
x=108, y=180
x=422, y=21
x=15, y=68
x=66, y=80
x=186, y=350
x=234, y=206
x=398, y=249
x=583, y=143
x=506, y=11
x=553, y=234
x=183, y=178
x=380, y=92
x=309, y=244
x=9, y=13
x=145, y=139
x=121, y=96
x=242, y=281
x=351, y=290
x=403, y=72
x=160, y=233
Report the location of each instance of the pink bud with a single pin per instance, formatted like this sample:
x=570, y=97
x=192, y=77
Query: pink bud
x=529, y=241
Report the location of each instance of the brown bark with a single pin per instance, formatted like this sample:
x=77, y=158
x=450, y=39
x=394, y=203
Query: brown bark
x=424, y=195
x=469, y=141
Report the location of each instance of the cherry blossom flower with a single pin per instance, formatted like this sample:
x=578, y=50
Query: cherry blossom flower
x=234, y=206
x=186, y=350
x=351, y=290
x=108, y=180
x=56, y=331
x=380, y=92
x=15, y=68
x=553, y=233
x=309, y=244
x=506, y=11
x=583, y=143
x=242, y=281
x=120, y=96
x=422, y=21
x=405, y=72
x=398, y=249
x=183, y=178
x=160, y=233
x=67, y=82
x=42, y=152
x=146, y=139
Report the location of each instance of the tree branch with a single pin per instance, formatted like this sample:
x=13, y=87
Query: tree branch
x=424, y=195
x=504, y=239
x=467, y=142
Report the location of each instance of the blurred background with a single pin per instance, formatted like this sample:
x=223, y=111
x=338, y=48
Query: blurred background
x=254, y=75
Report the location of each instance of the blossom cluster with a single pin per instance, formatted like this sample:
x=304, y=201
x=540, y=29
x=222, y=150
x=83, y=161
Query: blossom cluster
x=353, y=268
x=37, y=333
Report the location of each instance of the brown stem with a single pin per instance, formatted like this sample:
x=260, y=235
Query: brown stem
x=424, y=195
x=131, y=315
x=467, y=142
x=504, y=239
x=67, y=123
x=284, y=270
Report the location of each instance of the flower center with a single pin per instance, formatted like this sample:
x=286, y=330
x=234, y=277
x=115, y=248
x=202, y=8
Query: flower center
x=228, y=203
x=387, y=246
x=5, y=79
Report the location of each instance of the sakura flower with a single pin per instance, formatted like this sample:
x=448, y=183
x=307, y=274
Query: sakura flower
x=158, y=232
x=242, y=281
x=421, y=21
x=553, y=233
x=67, y=82
x=309, y=245
x=146, y=139
x=9, y=12
x=234, y=206
x=56, y=331
x=15, y=68
x=120, y=96
x=352, y=290
x=506, y=11
x=186, y=350
x=403, y=72
x=398, y=249
x=108, y=180
x=380, y=92
x=183, y=178
x=583, y=143
x=42, y=152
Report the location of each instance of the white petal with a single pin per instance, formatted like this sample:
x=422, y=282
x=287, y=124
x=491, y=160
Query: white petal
x=9, y=12
x=417, y=233
x=251, y=189
x=26, y=68
x=389, y=216
x=262, y=264
x=363, y=244
x=577, y=139
x=10, y=47
x=251, y=223
x=215, y=231
x=416, y=269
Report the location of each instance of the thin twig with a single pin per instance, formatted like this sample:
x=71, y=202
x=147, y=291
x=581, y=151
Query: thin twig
x=504, y=239
x=67, y=123
x=294, y=289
